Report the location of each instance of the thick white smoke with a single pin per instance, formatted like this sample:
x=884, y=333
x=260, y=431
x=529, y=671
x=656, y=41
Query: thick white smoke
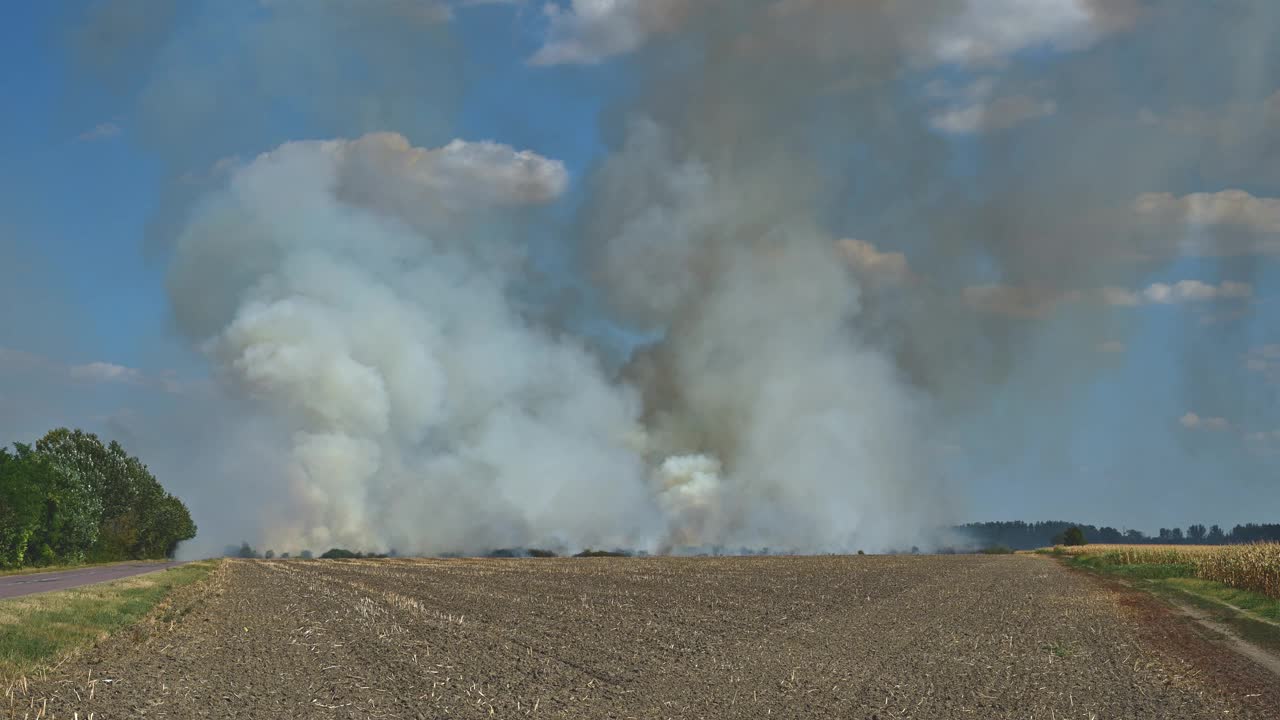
x=361, y=289
x=353, y=287
x=761, y=365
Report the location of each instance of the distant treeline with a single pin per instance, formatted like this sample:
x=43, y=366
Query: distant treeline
x=70, y=498
x=1020, y=535
x=245, y=550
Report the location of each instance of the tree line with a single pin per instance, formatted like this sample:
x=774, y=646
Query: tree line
x=70, y=499
x=1020, y=535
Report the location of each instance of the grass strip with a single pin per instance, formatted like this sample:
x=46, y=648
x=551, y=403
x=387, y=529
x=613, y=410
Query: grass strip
x=1253, y=616
x=39, y=630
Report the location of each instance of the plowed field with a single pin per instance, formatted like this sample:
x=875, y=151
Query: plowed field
x=848, y=637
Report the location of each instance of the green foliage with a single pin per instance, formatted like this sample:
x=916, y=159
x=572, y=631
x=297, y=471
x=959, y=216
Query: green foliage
x=601, y=553
x=1073, y=536
x=996, y=550
x=1113, y=565
x=339, y=554
x=23, y=489
x=71, y=499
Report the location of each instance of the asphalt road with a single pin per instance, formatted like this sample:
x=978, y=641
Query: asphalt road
x=18, y=585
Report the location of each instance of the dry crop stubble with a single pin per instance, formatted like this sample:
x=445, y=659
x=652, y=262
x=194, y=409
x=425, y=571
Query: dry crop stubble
x=924, y=637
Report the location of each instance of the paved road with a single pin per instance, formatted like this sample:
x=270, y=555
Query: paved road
x=18, y=585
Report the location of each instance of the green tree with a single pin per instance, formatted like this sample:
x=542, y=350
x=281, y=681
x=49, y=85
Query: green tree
x=1073, y=536
x=138, y=519
x=23, y=489
x=70, y=514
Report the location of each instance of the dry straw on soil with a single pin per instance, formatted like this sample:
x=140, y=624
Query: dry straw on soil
x=1254, y=567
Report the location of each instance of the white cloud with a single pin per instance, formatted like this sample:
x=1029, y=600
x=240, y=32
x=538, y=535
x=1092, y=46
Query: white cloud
x=18, y=361
x=101, y=131
x=1025, y=302
x=990, y=116
x=1194, y=291
x=1035, y=302
x=1264, y=437
x=105, y=372
x=590, y=31
x=983, y=32
x=870, y=262
x=1225, y=223
x=412, y=12
x=1231, y=125
x=988, y=31
x=1192, y=421
x=1228, y=207
x=1264, y=360
x=459, y=175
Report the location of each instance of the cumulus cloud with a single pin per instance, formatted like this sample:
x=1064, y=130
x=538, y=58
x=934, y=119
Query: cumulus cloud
x=105, y=372
x=1227, y=207
x=989, y=31
x=1264, y=360
x=97, y=372
x=1023, y=302
x=411, y=12
x=1183, y=291
x=590, y=31
x=1264, y=438
x=101, y=131
x=461, y=176
x=1192, y=421
x=872, y=263
x=1035, y=302
x=1228, y=222
x=1226, y=125
x=983, y=32
x=997, y=114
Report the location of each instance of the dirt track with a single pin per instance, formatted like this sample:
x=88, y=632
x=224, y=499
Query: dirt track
x=859, y=637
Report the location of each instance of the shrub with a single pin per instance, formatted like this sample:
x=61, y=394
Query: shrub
x=339, y=554
x=601, y=553
x=1073, y=536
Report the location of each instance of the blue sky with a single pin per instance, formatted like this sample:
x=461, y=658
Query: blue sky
x=93, y=153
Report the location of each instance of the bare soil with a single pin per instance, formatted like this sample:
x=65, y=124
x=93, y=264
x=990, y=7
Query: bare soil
x=817, y=637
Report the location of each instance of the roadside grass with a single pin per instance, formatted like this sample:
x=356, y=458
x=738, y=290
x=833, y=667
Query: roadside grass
x=71, y=566
x=1253, y=616
x=39, y=630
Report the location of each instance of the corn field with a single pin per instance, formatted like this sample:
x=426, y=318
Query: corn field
x=1254, y=567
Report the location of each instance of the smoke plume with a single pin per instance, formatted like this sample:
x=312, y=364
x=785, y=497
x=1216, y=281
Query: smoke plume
x=834, y=236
